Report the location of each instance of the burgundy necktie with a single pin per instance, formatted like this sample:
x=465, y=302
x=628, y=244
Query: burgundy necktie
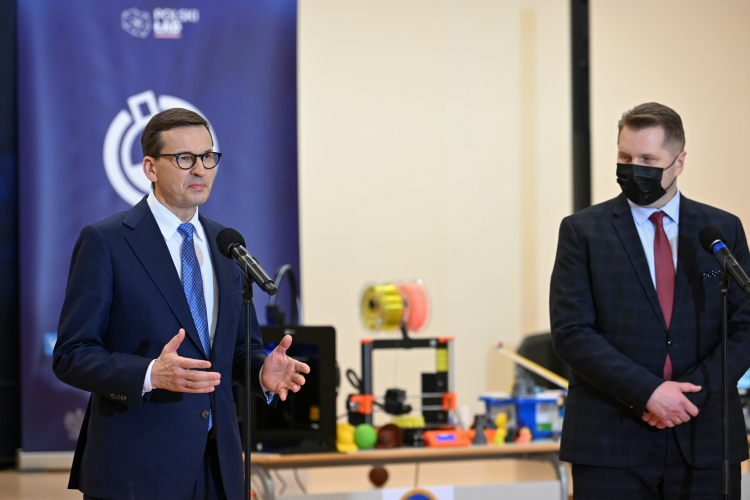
x=664, y=270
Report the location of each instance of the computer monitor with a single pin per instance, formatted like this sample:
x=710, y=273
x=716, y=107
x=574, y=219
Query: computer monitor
x=306, y=421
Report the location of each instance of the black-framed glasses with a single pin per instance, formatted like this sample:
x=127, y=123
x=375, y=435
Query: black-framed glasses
x=185, y=161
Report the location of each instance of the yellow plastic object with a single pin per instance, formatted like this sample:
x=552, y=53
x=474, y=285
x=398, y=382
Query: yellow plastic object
x=381, y=307
x=501, y=422
x=409, y=422
x=442, y=360
x=345, y=438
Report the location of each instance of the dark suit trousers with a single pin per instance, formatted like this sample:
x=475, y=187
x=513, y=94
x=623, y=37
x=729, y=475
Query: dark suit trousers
x=209, y=485
x=663, y=475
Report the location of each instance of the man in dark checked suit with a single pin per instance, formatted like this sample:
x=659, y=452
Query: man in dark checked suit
x=635, y=310
x=152, y=325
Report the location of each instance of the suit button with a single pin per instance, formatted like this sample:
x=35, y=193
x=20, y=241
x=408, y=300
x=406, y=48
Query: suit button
x=123, y=397
x=205, y=414
x=670, y=343
x=113, y=396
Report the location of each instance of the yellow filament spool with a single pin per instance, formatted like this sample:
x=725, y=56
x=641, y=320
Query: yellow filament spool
x=382, y=307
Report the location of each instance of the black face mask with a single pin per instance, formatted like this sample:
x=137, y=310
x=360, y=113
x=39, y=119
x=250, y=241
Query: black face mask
x=641, y=184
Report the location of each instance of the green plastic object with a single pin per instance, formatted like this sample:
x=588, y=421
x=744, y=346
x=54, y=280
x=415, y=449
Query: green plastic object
x=365, y=436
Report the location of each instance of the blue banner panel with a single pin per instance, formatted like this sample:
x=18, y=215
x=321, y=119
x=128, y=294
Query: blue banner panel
x=90, y=75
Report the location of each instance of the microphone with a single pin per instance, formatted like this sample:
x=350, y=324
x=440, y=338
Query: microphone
x=232, y=246
x=713, y=241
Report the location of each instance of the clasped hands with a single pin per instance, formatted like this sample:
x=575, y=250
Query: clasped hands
x=668, y=406
x=172, y=372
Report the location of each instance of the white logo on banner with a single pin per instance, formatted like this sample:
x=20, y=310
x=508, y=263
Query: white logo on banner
x=136, y=22
x=167, y=22
x=124, y=173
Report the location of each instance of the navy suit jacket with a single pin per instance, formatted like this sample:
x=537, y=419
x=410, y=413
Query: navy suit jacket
x=124, y=302
x=608, y=326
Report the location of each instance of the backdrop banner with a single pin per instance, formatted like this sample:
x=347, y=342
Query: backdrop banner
x=90, y=76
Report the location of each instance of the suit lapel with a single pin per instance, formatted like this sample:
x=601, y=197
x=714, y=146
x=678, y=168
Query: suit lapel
x=688, y=235
x=625, y=227
x=223, y=272
x=149, y=246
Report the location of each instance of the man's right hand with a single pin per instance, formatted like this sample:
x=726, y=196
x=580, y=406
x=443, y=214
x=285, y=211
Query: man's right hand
x=670, y=406
x=174, y=373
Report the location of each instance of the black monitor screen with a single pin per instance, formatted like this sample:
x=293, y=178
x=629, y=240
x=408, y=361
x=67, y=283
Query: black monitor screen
x=301, y=410
x=307, y=419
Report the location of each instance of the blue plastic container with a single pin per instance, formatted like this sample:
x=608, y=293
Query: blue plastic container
x=540, y=413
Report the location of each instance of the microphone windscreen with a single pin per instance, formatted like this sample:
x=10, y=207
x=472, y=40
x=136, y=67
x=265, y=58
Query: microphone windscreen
x=226, y=239
x=709, y=235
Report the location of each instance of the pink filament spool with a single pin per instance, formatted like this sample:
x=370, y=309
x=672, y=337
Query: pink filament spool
x=417, y=305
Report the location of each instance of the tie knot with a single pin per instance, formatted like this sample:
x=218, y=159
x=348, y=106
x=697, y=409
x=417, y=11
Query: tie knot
x=657, y=218
x=186, y=230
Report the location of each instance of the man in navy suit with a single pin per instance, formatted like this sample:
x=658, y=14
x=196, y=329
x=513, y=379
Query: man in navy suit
x=635, y=309
x=153, y=326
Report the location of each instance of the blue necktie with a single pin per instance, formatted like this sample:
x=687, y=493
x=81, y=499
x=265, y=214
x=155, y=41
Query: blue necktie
x=192, y=282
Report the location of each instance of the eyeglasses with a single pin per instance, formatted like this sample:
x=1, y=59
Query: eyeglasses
x=185, y=161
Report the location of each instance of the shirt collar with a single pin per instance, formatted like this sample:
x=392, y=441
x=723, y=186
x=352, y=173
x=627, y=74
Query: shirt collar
x=169, y=222
x=672, y=209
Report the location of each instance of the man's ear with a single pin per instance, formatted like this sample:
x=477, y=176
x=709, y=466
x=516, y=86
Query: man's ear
x=680, y=162
x=149, y=168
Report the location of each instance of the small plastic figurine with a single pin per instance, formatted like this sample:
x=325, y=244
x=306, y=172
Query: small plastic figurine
x=501, y=422
x=524, y=436
x=479, y=437
x=345, y=438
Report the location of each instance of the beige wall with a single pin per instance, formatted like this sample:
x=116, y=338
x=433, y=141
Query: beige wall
x=693, y=56
x=434, y=144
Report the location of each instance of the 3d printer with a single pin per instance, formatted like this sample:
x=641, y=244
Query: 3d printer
x=405, y=306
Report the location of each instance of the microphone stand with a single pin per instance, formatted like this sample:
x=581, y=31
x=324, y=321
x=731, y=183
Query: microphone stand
x=247, y=299
x=724, y=283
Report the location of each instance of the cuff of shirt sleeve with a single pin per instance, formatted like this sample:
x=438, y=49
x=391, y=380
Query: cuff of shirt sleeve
x=147, y=381
x=269, y=395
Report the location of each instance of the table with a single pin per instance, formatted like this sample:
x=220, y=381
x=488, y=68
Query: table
x=262, y=463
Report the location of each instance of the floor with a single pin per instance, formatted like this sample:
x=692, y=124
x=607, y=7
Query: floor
x=16, y=485
x=36, y=486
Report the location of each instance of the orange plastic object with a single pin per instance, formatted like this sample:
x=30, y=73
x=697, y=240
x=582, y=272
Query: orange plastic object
x=364, y=401
x=367, y=341
x=447, y=439
x=417, y=307
x=449, y=401
x=524, y=436
x=444, y=340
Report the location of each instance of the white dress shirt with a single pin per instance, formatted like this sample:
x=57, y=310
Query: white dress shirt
x=168, y=224
x=646, y=229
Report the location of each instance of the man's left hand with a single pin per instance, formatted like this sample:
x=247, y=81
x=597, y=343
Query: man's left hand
x=281, y=373
x=653, y=420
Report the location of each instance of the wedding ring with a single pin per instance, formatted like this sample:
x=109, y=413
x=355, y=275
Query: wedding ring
x=190, y=382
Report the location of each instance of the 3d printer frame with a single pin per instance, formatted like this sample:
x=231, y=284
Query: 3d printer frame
x=360, y=406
